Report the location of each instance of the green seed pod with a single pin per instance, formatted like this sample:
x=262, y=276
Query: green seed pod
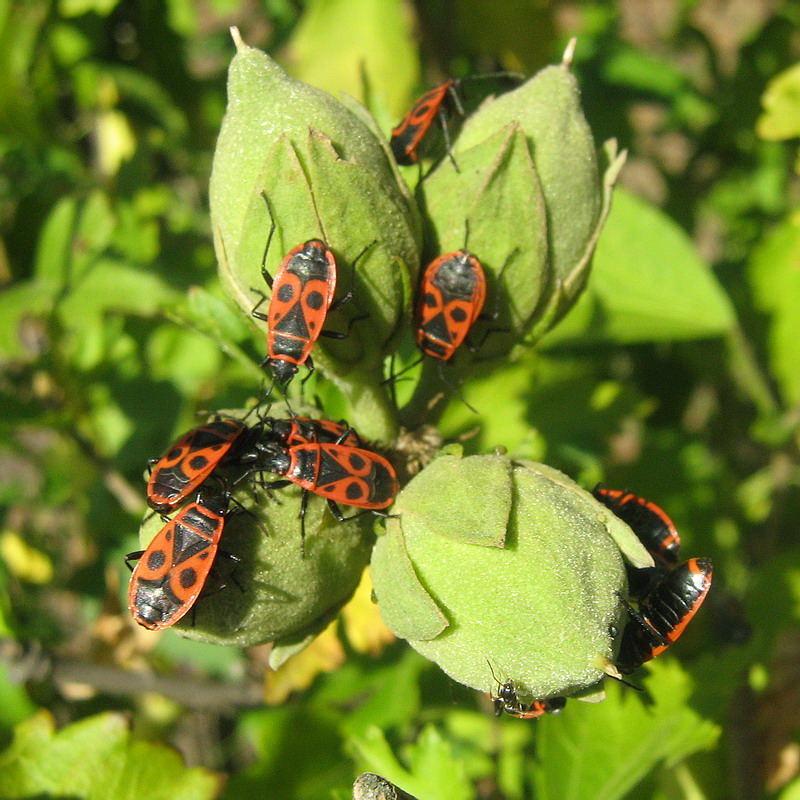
x=327, y=174
x=274, y=593
x=528, y=180
x=505, y=567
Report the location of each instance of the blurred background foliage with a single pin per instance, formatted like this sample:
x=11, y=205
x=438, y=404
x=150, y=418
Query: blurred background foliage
x=677, y=376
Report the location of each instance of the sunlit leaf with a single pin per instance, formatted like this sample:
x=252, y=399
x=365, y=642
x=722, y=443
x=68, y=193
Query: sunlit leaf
x=781, y=101
x=434, y=772
x=366, y=631
x=603, y=750
x=24, y=561
x=775, y=278
x=647, y=284
x=379, y=48
x=96, y=759
x=324, y=654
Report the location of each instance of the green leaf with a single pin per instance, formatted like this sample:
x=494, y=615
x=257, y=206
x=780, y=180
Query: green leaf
x=517, y=34
x=603, y=750
x=216, y=316
x=634, y=68
x=434, y=772
x=781, y=101
x=55, y=244
x=92, y=235
x=647, y=284
x=444, y=772
x=379, y=46
x=775, y=278
x=792, y=791
x=76, y=8
x=186, y=358
x=96, y=759
x=386, y=695
x=15, y=705
x=114, y=286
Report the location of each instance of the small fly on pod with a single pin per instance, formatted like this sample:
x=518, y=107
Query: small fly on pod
x=507, y=701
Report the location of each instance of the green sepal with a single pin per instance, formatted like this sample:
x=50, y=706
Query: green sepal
x=547, y=108
x=406, y=606
x=497, y=194
x=541, y=610
x=468, y=500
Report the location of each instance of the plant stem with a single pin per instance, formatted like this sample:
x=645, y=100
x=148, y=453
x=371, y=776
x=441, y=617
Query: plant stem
x=748, y=375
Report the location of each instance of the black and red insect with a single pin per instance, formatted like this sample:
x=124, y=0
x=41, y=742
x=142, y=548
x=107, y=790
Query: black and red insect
x=664, y=613
x=451, y=297
x=305, y=430
x=191, y=459
x=303, y=291
x=171, y=572
x=353, y=476
x=507, y=701
x=650, y=523
x=436, y=104
x=414, y=127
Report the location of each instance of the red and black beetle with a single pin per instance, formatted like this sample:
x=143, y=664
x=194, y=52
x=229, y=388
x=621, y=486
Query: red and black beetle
x=171, y=572
x=664, y=613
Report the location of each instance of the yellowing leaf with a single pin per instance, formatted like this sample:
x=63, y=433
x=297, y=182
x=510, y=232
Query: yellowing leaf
x=365, y=629
x=339, y=41
x=781, y=101
x=115, y=139
x=26, y=562
x=324, y=654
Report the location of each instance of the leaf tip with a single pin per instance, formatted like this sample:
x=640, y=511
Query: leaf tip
x=609, y=667
x=237, y=39
x=569, y=52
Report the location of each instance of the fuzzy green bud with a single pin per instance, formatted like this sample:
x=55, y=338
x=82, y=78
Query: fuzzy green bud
x=505, y=567
x=327, y=174
x=279, y=590
x=529, y=186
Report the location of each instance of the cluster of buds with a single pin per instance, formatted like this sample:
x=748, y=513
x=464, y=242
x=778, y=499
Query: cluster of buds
x=523, y=180
x=504, y=572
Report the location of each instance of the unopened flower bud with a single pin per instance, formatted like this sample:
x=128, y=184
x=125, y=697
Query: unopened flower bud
x=265, y=583
x=502, y=569
x=325, y=173
x=528, y=184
